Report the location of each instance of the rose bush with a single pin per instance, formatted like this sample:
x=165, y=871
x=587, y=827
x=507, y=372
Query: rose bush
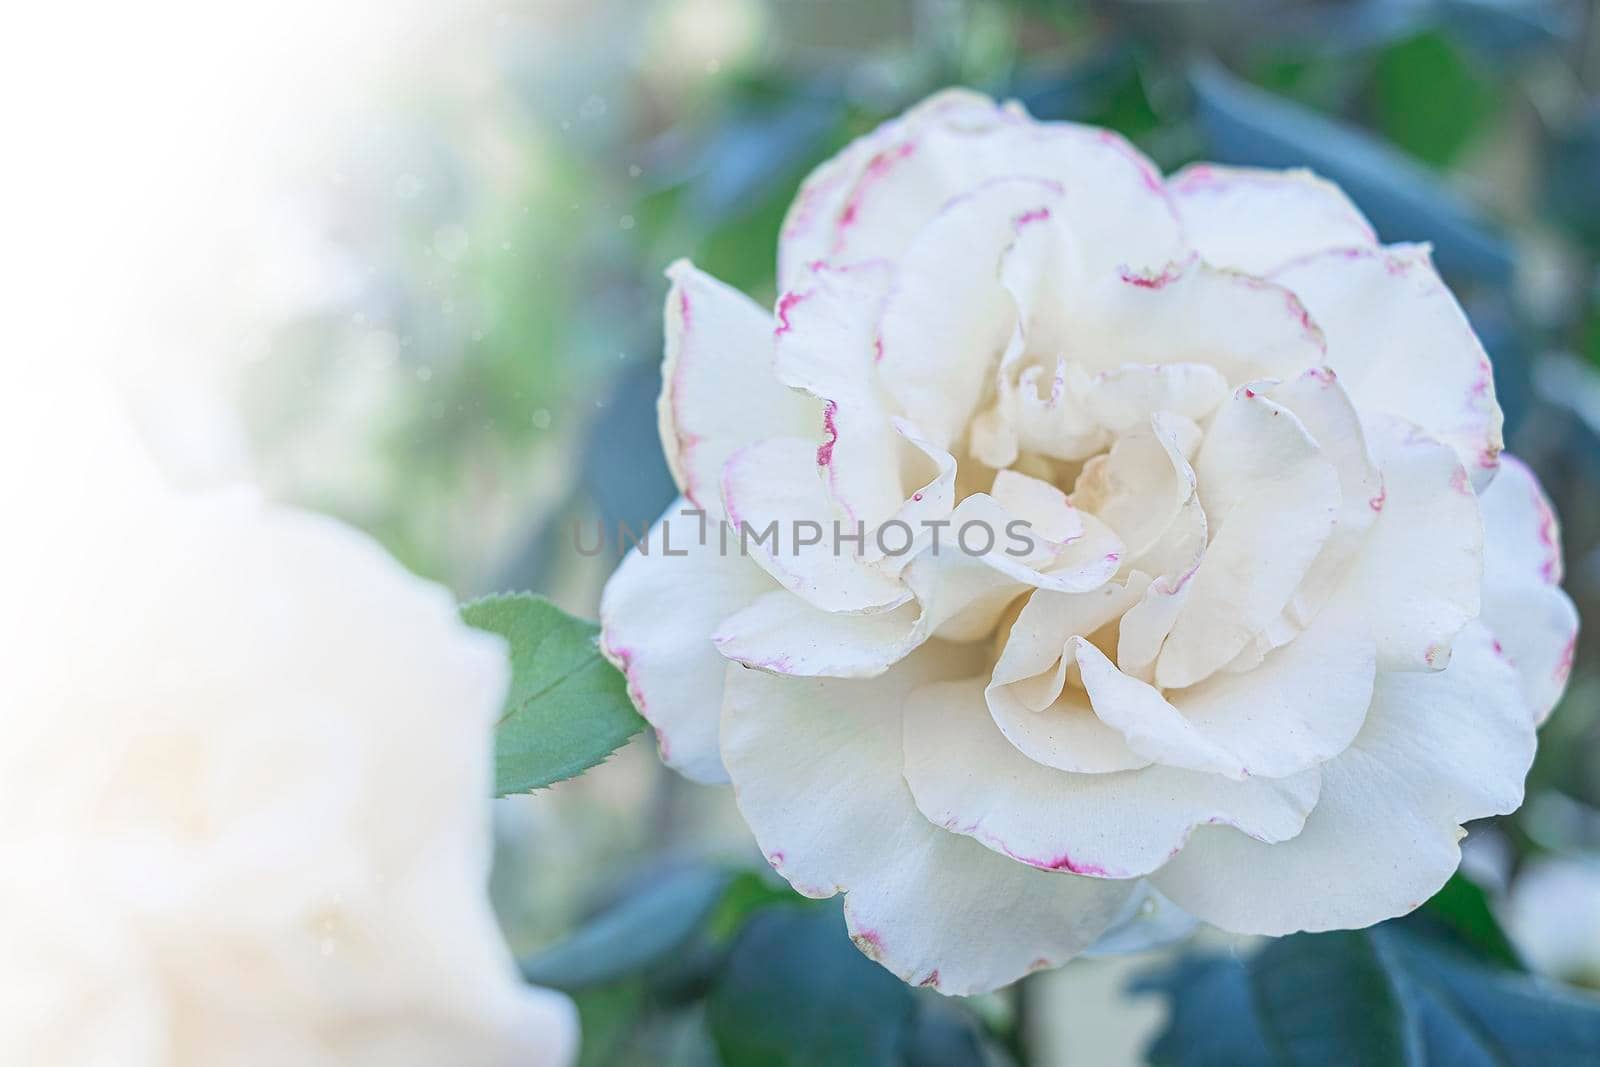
x=1288, y=618
x=244, y=781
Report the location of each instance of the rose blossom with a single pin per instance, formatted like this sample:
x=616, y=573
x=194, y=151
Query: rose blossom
x=1290, y=618
x=244, y=781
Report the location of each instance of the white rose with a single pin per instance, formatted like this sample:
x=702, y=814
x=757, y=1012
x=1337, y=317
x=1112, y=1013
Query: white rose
x=244, y=781
x=1282, y=629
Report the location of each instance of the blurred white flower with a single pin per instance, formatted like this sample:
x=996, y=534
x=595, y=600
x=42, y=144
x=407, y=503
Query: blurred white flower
x=1284, y=620
x=244, y=770
x=1553, y=916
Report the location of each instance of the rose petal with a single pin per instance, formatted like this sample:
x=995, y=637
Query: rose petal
x=1437, y=750
x=826, y=344
x=775, y=485
x=1415, y=581
x=1402, y=345
x=1271, y=498
x=1046, y=721
x=1253, y=220
x=718, y=392
x=967, y=777
x=817, y=766
x=674, y=672
x=1523, y=604
x=948, y=318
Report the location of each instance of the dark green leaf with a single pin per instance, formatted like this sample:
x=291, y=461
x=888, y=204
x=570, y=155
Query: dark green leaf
x=1328, y=998
x=1212, y=1023
x=1395, y=994
x=796, y=993
x=1404, y=201
x=1462, y=910
x=567, y=708
x=641, y=930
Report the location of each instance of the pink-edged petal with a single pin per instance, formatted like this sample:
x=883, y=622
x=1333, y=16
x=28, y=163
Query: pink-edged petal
x=826, y=345
x=1254, y=220
x=967, y=777
x=775, y=500
x=1271, y=498
x=1048, y=721
x=1140, y=487
x=1326, y=411
x=718, y=390
x=1244, y=327
x=1402, y=345
x=1124, y=398
x=1416, y=579
x=831, y=197
x=1147, y=720
x=784, y=634
x=1523, y=604
x=657, y=615
x=1437, y=750
x=816, y=765
x=1117, y=207
x=948, y=318
x=1301, y=706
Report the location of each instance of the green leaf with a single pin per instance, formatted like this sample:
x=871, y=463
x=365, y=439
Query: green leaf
x=797, y=993
x=640, y=931
x=1328, y=998
x=1400, y=993
x=1212, y=1022
x=1461, y=909
x=567, y=708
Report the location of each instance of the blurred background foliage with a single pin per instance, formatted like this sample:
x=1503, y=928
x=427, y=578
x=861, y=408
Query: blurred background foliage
x=471, y=364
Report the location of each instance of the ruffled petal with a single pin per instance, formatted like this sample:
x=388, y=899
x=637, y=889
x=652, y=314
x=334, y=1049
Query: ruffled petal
x=826, y=344
x=948, y=318
x=1117, y=207
x=817, y=769
x=1272, y=499
x=775, y=499
x=1523, y=604
x=968, y=778
x=1048, y=721
x=1437, y=750
x=1402, y=345
x=718, y=391
x=657, y=615
x=1416, y=579
x=1253, y=220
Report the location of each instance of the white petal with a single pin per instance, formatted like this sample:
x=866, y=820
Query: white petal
x=817, y=768
x=1140, y=487
x=784, y=634
x=1271, y=499
x=718, y=390
x=826, y=344
x=967, y=777
x=1301, y=706
x=1152, y=726
x=1255, y=221
x=1523, y=604
x=1416, y=578
x=1244, y=327
x=809, y=228
x=1325, y=409
x=657, y=615
x=948, y=318
x=1402, y=345
x=1047, y=721
x=774, y=485
x=1116, y=208
x=1437, y=750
